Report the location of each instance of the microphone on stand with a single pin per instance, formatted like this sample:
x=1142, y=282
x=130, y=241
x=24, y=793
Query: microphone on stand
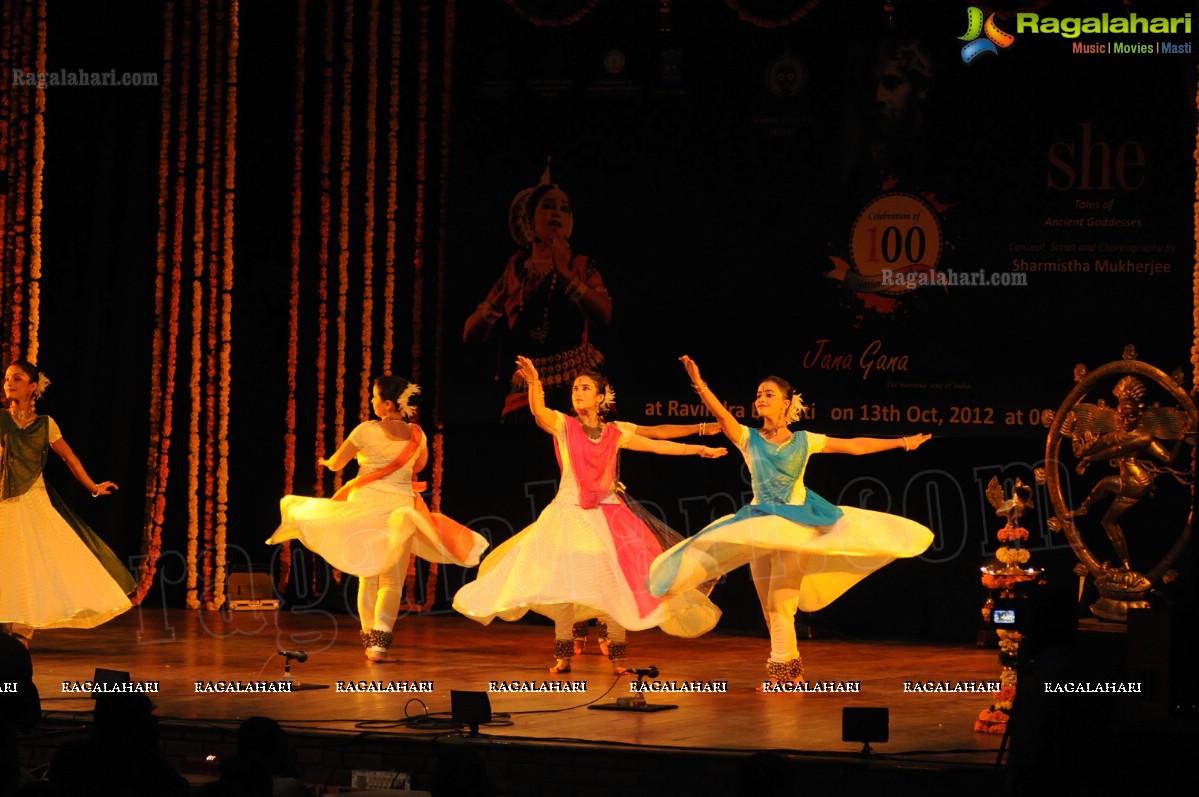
x=645, y=672
x=298, y=655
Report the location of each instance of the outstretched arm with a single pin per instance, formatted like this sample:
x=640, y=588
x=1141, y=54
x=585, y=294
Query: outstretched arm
x=345, y=452
x=669, y=431
x=77, y=470
x=638, y=443
x=542, y=414
x=872, y=445
x=728, y=424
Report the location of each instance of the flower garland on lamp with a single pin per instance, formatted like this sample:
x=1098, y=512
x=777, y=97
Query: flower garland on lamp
x=1004, y=575
x=293, y=324
x=156, y=466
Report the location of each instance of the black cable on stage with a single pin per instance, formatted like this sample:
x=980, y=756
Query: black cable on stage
x=572, y=708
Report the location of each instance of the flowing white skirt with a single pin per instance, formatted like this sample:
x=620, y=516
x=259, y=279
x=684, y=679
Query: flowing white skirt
x=567, y=556
x=825, y=561
x=369, y=533
x=51, y=579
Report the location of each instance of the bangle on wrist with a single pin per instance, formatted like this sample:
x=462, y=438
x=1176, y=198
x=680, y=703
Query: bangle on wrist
x=699, y=387
x=95, y=491
x=703, y=429
x=905, y=445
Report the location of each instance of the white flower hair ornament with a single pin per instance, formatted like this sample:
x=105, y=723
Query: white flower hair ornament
x=608, y=399
x=795, y=410
x=404, y=402
x=43, y=382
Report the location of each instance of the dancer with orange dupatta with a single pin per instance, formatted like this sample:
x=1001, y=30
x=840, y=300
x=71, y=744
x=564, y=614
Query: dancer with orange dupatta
x=373, y=525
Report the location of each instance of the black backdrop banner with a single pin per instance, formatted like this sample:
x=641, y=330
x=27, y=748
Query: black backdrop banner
x=850, y=201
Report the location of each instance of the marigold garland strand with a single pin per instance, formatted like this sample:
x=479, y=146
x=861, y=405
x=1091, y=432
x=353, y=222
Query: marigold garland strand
x=8, y=269
x=195, y=446
x=155, y=466
x=19, y=241
x=343, y=229
x=230, y=175
x=322, y=308
x=35, y=229
x=393, y=133
x=293, y=324
x=10, y=346
x=368, y=234
x=418, y=235
x=447, y=82
x=182, y=128
x=418, y=226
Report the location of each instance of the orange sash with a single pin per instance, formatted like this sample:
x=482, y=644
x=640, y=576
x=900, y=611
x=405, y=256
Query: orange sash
x=455, y=538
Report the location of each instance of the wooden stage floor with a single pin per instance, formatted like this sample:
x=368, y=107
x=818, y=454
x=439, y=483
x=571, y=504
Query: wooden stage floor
x=177, y=648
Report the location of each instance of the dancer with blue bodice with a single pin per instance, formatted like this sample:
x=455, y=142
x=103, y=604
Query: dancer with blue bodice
x=803, y=551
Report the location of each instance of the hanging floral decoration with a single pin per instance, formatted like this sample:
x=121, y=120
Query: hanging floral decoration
x=197, y=156
x=1195, y=281
x=225, y=289
x=343, y=231
x=293, y=324
x=162, y=350
x=422, y=175
x=568, y=12
x=368, y=204
x=447, y=71
x=1002, y=577
x=20, y=143
x=350, y=302
x=9, y=270
x=35, y=215
x=772, y=14
x=195, y=440
x=393, y=157
x=322, y=291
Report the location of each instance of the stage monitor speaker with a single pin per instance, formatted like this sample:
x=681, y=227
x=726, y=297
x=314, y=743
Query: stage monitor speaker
x=865, y=724
x=251, y=590
x=471, y=708
x=109, y=680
